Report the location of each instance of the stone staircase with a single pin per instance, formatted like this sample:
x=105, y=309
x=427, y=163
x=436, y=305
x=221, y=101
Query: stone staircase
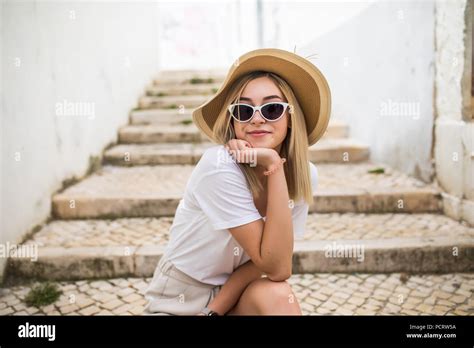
x=115, y=222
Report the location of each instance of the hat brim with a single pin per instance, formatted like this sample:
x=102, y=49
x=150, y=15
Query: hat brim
x=308, y=83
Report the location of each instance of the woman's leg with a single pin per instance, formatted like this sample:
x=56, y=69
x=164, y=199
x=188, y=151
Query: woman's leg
x=266, y=297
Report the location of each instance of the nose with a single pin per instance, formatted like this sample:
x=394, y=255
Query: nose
x=257, y=118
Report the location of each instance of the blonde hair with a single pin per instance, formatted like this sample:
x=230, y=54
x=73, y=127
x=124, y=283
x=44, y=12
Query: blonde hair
x=294, y=147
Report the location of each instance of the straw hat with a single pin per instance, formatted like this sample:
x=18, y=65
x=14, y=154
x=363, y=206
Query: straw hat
x=308, y=83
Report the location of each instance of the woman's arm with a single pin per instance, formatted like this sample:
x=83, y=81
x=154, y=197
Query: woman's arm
x=231, y=291
x=269, y=244
x=276, y=239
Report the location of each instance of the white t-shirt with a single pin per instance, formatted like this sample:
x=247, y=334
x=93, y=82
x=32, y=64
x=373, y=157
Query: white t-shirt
x=216, y=199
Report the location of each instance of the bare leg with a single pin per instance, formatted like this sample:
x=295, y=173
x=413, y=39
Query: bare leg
x=266, y=297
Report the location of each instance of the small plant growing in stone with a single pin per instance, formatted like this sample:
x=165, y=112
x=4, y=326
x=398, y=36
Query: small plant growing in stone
x=197, y=80
x=172, y=106
x=379, y=170
x=43, y=294
x=186, y=122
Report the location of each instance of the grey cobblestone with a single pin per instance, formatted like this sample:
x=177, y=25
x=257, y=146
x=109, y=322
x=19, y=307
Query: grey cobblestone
x=318, y=294
x=155, y=231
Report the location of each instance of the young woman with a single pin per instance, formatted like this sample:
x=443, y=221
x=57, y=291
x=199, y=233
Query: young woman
x=231, y=241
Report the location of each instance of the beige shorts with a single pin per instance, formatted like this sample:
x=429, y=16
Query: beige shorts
x=172, y=292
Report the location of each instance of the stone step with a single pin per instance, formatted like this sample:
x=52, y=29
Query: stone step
x=140, y=191
x=187, y=132
x=172, y=102
x=186, y=89
x=149, y=134
x=161, y=116
x=325, y=151
x=373, y=243
x=183, y=77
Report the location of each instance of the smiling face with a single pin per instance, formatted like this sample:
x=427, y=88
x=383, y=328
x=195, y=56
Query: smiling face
x=260, y=91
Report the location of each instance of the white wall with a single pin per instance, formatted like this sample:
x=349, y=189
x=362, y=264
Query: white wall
x=377, y=61
x=98, y=56
x=454, y=146
x=208, y=34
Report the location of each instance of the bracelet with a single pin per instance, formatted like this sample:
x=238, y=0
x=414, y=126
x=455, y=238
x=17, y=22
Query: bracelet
x=271, y=171
x=209, y=312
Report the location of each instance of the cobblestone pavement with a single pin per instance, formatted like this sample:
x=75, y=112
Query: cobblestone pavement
x=153, y=231
x=318, y=294
x=170, y=180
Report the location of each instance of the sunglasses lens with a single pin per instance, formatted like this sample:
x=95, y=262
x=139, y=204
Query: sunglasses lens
x=272, y=111
x=242, y=112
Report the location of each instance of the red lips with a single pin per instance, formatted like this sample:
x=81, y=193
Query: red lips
x=258, y=132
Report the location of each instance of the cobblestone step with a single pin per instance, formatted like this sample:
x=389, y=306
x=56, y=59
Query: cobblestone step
x=149, y=134
x=332, y=243
x=317, y=294
x=115, y=192
x=326, y=150
x=182, y=133
x=161, y=116
x=184, y=77
x=138, y=232
x=185, y=89
x=172, y=102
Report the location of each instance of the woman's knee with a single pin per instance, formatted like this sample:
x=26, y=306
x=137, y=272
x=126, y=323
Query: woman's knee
x=272, y=296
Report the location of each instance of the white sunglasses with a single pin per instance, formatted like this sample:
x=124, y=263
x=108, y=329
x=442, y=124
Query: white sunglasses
x=271, y=112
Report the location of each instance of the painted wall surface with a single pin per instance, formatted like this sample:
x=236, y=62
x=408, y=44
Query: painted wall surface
x=454, y=128
x=380, y=67
x=71, y=71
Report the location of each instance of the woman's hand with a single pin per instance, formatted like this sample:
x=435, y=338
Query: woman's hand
x=238, y=144
x=243, y=152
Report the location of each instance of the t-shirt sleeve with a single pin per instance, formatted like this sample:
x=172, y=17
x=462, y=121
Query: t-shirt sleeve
x=226, y=200
x=299, y=215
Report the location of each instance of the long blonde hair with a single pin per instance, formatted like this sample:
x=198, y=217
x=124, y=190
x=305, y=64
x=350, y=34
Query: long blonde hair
x=294, y=147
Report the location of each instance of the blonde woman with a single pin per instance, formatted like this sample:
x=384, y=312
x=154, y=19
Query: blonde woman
x=231, y=241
